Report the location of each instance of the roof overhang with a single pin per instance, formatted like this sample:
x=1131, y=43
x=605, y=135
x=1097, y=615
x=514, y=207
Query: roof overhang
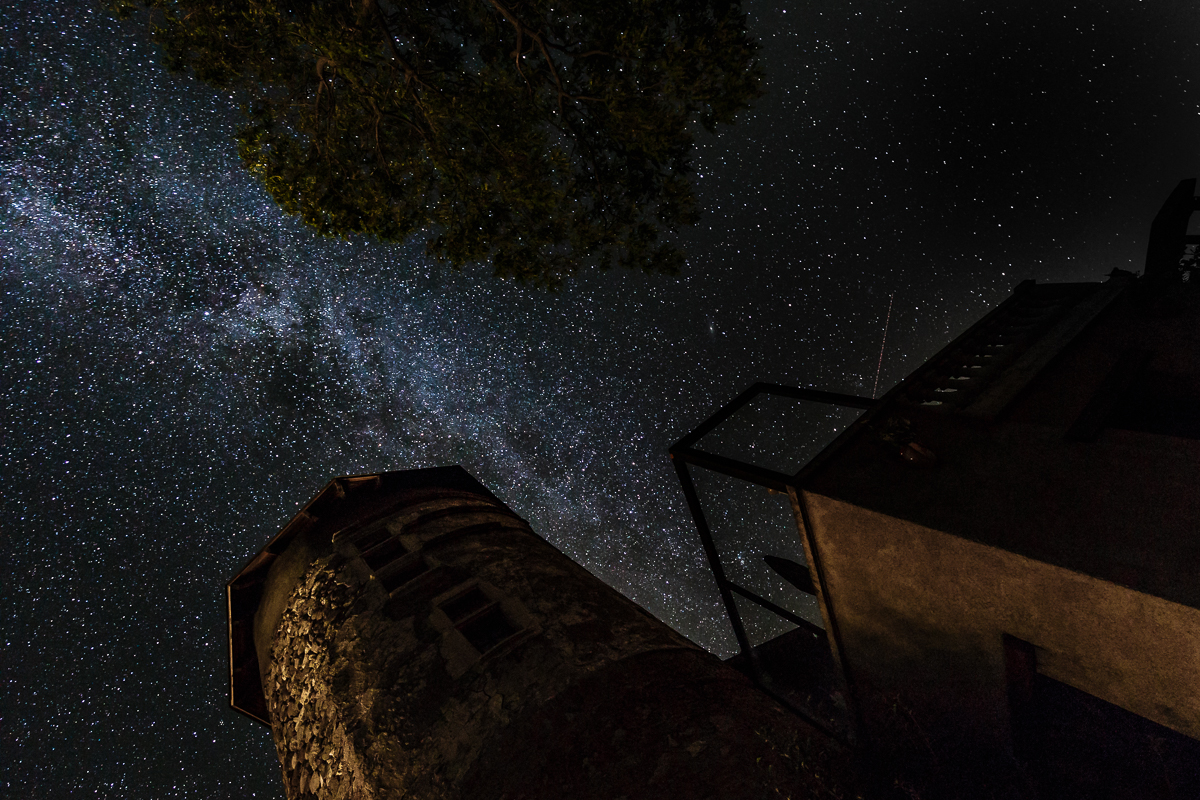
x=345, y=502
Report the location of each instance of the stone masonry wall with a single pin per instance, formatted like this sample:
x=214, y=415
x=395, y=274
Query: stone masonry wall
x=375, y=692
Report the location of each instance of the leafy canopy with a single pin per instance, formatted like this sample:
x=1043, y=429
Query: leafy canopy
x=544, y=136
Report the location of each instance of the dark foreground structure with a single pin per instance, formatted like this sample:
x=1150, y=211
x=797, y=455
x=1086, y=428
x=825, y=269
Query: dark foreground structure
x=407, y=635
x=985, y=584
x=1003, y=549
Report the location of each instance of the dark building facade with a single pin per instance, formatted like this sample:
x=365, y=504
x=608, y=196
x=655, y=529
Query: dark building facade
x=1012, y=529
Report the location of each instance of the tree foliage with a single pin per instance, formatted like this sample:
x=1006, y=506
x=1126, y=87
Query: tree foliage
x=543, y=136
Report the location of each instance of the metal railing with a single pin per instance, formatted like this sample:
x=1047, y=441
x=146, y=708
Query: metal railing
x=685, y=454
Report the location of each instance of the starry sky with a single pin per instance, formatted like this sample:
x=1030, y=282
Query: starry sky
x=183, y=366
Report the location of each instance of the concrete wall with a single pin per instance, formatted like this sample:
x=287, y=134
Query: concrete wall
x=921, y=615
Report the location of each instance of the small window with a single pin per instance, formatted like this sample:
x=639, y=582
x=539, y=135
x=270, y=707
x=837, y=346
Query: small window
x=405, y=573
x=1133, y=397
x=371, y=539
x=465, y=604
x=383, y=554
x=479, y=619
x=487, y=630
x=1168, y=405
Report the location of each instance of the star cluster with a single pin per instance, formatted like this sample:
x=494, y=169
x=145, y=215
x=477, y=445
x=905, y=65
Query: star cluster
x=183, y=366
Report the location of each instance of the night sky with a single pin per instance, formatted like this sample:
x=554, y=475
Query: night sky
x=183, y=367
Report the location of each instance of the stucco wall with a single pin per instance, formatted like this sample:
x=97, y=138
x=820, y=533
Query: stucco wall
x=921, y=614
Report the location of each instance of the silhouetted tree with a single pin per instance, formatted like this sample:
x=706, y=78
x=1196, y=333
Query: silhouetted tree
x=543, y=136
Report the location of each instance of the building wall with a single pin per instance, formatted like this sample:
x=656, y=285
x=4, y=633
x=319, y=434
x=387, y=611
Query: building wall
x=921, y=615
x=374, y=691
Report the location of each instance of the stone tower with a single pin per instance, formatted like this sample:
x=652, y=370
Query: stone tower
x=407, y=635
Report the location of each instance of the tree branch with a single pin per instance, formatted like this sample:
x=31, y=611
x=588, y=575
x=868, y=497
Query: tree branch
x=524, y=30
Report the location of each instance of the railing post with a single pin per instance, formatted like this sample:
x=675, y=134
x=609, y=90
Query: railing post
x=714, y=559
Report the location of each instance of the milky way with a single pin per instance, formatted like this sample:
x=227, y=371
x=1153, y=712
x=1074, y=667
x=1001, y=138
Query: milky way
x=183, y=366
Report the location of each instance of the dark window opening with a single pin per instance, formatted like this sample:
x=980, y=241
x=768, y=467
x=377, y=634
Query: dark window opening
x=1075, y=746
x=404, y=574
x=1135, y=398
x=383, y=554
x=371, y=539
x=487, y=630
x=404, y=598
x=465, y=604
x=1160, y=403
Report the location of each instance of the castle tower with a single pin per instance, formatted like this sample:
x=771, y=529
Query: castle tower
x=407, y=635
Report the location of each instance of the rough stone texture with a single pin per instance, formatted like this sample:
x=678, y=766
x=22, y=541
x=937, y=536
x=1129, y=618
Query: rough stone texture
x=378, y=695
x=316, y=749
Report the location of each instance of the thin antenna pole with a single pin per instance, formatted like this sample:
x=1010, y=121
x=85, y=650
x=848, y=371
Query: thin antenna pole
x=879, y=366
